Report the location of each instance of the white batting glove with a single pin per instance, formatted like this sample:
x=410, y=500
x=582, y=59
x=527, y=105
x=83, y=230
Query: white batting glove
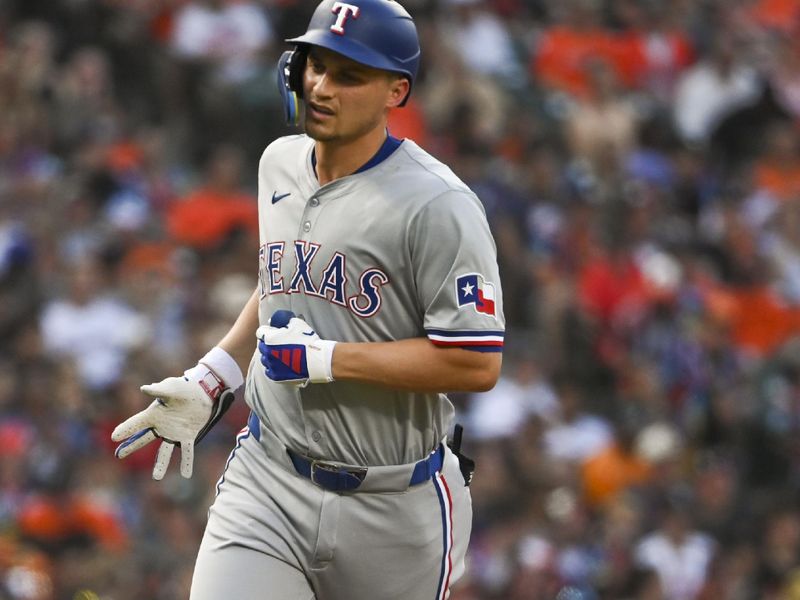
x=292, y=352
x=184, y=410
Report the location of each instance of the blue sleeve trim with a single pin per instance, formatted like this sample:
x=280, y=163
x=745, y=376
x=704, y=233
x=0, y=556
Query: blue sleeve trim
x=481, y=348
x=451, y=333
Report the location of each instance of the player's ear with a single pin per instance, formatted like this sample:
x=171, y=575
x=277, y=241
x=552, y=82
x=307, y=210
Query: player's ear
x=398, y=90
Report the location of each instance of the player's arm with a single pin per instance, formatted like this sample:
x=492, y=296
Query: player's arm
x=238, y=342
x=416, y=365
x=293, y=353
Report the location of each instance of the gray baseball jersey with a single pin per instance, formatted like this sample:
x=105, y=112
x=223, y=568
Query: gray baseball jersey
x=400, y=249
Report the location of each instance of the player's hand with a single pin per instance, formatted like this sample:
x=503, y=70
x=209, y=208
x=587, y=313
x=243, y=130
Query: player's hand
x=292, y=352
x=184, y=410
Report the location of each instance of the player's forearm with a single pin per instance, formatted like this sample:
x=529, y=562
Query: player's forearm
x=240, y=340
x=416, y=365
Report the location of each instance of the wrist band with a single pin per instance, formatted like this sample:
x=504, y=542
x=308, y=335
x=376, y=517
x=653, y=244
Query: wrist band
x=223, y=365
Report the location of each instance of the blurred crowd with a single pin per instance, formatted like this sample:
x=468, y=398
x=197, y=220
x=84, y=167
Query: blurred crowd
x=639, y=162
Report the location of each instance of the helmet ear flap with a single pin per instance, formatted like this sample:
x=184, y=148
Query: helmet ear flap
x=290, y=82
x=297, y=64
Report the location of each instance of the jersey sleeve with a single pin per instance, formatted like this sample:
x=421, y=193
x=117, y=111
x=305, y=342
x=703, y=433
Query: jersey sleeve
x=455, y=268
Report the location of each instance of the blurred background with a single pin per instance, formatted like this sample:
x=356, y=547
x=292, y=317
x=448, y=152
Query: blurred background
x=639, y=161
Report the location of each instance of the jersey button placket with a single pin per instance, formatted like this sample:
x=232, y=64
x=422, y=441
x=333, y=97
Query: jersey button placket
x=307, y=225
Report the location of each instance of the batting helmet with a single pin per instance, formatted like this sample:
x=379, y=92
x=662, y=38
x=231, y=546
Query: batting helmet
x=376, y=33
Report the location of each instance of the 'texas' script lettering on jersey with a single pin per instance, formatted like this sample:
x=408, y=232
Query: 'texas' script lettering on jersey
x=362, y=297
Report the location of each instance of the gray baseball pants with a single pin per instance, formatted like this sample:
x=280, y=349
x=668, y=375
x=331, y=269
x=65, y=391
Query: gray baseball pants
x=272, y=534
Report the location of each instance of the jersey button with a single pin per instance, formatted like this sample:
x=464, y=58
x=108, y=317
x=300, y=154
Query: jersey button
x=307, y=226
x=314, y=202
x=316, y=436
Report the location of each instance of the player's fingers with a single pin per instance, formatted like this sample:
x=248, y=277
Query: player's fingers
x=187, y=458
x=135, y=424
x=162, y=459
x=133, y=443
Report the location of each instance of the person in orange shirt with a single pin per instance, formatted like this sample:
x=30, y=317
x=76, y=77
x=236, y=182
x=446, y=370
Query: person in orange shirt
x=783, y=15
x=614, y=469
x=652, y=49
x=559, y=61
x=209, y=215
x=611, y=471
x=778, y=171
x=410, y=123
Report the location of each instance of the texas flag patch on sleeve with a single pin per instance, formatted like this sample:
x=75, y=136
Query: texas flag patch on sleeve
x=473, y=290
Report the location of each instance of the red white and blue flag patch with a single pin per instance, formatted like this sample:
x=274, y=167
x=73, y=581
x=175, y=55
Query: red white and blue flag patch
x=473, y=290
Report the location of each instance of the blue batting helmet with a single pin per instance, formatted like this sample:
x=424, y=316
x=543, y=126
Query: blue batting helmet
x=376, y=33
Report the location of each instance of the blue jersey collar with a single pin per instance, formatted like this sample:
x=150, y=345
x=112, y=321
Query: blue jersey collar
x=390, y=144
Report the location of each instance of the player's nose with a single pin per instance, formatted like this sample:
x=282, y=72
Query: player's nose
x=322, y=86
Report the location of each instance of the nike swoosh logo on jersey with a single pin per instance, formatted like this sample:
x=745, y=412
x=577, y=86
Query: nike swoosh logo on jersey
x=276, y=197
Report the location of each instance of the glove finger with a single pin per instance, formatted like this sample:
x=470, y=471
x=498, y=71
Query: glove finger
x=133, y=443
x=135, y=424
x=187, y=458
x=165, y=389
x=162, y=459
x=299, y=325
x=262, y=331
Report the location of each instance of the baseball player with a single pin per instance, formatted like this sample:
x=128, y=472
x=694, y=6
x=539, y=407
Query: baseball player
x=377, y=292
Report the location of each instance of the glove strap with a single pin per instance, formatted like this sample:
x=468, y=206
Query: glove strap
x=224, y=367
x=221, y=406
x=319, y=357
x=222, y=377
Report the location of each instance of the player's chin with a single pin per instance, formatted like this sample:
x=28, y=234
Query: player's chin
x=319, y=132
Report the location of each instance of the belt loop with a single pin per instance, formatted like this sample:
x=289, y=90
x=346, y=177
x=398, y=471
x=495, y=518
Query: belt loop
x=428, y=467
x=254, y=425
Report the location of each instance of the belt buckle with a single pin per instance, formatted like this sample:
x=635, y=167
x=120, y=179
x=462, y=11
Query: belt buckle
x=329, y=467
x=323, y=466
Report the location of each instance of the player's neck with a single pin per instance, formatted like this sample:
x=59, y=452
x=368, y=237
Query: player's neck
x=340, y=159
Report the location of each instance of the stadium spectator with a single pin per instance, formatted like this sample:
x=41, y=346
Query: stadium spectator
x=92, y=327
x=216, y=209
x=713, y=87
x=224, y=36
x=481, y=41
x=680, y=555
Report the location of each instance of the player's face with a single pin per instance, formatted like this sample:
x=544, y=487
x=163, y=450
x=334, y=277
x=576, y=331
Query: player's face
x=346, y=100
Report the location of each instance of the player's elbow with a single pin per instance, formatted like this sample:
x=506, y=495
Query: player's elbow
x=484, y=376
x=485, y=381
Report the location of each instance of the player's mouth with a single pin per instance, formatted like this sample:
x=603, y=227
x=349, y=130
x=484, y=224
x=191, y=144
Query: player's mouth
x=318, y=111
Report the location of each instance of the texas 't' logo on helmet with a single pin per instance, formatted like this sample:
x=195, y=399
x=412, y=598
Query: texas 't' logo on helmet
x=343, y=11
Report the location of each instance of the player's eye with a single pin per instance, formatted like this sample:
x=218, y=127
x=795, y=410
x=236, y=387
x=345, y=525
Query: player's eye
x=316, y=66
x=350, y=78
